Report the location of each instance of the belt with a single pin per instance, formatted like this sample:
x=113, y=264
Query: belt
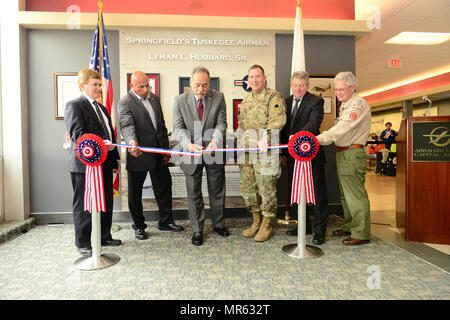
x=353, y=146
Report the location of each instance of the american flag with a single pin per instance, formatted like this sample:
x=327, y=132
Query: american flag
x=100, y=52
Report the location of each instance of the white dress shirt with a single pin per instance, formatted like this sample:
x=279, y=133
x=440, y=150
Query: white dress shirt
x=105, y=118
x=148, y=106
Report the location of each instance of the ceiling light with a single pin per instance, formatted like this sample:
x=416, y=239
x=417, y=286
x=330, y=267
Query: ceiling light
x=415, y=78
x=421, y=38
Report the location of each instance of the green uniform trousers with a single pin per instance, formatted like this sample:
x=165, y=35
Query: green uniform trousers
x=259, y=188
x=351, y=170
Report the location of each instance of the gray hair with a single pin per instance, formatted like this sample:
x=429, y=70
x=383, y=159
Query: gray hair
x=200, y=70
x=346, y=76
x=301, y=75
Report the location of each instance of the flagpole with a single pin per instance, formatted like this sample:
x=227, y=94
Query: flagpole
x=100, y=44
x=296, y=65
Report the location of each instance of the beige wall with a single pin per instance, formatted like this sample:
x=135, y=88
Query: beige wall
x=136, y=57
x=444, y=108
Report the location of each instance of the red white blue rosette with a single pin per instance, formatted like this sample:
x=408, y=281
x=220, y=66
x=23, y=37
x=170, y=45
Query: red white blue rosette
x=92, y=151
x=303, y=147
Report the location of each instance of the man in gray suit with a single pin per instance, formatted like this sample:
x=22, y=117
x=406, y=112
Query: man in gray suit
x=199, y=122
x=142, y=124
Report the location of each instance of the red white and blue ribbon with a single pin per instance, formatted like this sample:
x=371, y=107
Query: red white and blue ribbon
x=303, y=147
x=92, y=151
x=194, y=154
x=159, y=150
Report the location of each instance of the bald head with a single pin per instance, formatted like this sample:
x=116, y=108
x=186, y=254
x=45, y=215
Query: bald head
x=139, y=84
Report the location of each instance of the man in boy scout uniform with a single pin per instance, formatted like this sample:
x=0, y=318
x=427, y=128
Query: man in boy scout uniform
x=350, y=134
x=262, y=116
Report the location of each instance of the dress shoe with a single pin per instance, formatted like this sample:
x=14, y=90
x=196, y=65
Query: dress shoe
x=222, y=231
x=85, y=250
x=294, y=232
x=171, y=227
x=197, y=239
x=318, y=239
x=354, y=242
x=111, y=243
x=340, y=233
x=140, y=234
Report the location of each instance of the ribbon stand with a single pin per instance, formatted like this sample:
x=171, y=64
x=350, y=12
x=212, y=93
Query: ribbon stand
x=97, y=260
x=301, y=250
x=301, y=146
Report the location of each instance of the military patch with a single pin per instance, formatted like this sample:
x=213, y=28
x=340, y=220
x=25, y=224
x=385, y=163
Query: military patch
x=353, y=116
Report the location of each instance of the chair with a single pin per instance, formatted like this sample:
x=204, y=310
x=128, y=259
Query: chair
x=371, y=158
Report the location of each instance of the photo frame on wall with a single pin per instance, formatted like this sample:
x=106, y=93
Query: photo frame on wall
x=153, y=80
x=185, y=84
x=322, y=85
x=236, y=104
x=66, y=89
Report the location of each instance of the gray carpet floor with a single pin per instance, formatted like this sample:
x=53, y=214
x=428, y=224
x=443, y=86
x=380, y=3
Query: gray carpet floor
x=39, y=265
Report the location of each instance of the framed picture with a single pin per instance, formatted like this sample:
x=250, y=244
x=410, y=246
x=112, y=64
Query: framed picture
x=236, y=104
x=322, y=85
x=66, y=89
x=153, y=80
x=185, y=84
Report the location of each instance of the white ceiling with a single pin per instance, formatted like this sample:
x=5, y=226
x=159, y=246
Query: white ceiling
x=372, y=55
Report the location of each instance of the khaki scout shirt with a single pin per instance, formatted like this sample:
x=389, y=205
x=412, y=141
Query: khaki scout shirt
x=353, y=124
x=263, y=111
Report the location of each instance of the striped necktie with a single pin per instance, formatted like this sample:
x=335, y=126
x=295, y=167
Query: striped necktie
x=102, y=122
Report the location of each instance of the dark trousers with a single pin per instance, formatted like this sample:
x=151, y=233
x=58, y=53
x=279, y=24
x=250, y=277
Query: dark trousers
x=82, y=219
x=215, y=176
x=320, y=210
x=162, y=188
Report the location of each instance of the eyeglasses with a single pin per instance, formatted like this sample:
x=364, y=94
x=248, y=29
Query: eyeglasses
x=96, y=85
x=341, y=89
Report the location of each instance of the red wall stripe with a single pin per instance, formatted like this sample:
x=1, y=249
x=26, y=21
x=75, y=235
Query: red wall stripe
x=418, y=86
x=312, y=9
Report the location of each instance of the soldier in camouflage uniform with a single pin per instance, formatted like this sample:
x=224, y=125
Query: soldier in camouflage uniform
x=262, y=116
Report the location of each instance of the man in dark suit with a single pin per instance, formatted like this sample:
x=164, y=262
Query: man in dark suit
x=305, y=113
x=85, y=115
x=142, y=124
x=199, y=122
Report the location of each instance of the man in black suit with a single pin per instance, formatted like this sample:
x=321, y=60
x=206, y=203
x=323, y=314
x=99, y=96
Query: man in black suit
x=142, y=124
x=85, y=115
x=305, y=113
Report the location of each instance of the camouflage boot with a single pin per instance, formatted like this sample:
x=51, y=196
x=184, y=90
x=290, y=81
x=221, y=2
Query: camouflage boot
x=250, y=232
x=265, y=231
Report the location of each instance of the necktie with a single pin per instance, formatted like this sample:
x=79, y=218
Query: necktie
x=200, y=109
x=102, y=122
x=294, y=112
